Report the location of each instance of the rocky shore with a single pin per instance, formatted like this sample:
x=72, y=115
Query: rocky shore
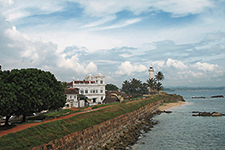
x=129, y=135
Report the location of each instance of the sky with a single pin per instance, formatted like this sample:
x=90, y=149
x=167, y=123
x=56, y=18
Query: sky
x=185, y=40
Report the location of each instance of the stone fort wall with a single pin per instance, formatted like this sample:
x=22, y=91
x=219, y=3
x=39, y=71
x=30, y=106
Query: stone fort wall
x=99, y=134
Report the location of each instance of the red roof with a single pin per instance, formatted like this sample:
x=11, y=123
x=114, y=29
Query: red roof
x=82, y=82
x=71, y=91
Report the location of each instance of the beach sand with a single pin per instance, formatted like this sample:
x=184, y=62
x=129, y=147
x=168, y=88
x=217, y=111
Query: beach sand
x=167, y=106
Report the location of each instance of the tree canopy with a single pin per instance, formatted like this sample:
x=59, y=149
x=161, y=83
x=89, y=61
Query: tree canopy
x=134, y=87
x=111, y=87
x=31, y=90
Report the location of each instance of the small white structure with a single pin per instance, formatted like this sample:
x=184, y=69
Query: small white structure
x=93, y=87
x=151, y=72
x=71, y=98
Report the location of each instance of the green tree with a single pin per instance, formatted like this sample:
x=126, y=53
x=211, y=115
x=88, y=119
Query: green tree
x=144, y=88
x=111, y=87
x=8, y=100
x=151, y=84
x=126, y=87
x=64, y=84
x=35, y=90
x=159, y=77
x=134, y=87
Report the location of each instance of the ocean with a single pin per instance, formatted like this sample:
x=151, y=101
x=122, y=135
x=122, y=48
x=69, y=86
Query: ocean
x=182, y=131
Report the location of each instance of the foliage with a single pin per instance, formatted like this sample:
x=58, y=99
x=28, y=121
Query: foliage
x=134, y=87
x=159, y=77
x=31, y=90
x=111, y=87
x=154, y=83
x=64, y=84
x=151, y=84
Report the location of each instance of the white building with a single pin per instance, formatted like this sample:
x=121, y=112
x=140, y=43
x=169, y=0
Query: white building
x=71, y=98
x=92, y=87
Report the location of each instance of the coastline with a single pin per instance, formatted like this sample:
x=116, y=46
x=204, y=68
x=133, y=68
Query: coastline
x=167, y=106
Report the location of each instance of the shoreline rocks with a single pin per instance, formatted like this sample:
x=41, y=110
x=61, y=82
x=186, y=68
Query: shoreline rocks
x=130, y=134
x=217, y=96
x=213, y=114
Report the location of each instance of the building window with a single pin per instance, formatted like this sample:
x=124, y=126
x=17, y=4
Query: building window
x=94, y=100
x=74, y=97
x=70, y=97
x=86, y=91
x=81, y=91
x=101, y=82
x=96, y=91
x=101, y=91
x=96, y=81
x=101, y=98
x=93, y=91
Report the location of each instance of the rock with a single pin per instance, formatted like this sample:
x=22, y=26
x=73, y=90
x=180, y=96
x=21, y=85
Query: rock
x=195, y=114
x=204, y=114
x=167, y=111
x=217, y=96
x=216, y=114
x=197, y=97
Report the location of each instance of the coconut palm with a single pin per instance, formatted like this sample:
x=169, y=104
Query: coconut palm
x=159, y=76
x=151, y=84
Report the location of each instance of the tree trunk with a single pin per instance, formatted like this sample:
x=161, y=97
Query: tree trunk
x=24, y=118
x=7, y=120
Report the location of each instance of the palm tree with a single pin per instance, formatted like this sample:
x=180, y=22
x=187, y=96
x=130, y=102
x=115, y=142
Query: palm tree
x=159, y=76
x=159, y=86
x=151, y=84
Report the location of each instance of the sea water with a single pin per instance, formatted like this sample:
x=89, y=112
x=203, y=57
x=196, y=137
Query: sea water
x=182, y=131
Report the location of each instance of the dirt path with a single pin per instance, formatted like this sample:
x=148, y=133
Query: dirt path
x=24, y=126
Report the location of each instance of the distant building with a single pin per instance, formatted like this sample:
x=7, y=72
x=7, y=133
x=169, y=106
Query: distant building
x=93, y=87
x=71, y=98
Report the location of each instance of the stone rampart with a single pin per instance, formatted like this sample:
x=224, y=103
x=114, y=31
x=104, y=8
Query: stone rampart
x=99, y=134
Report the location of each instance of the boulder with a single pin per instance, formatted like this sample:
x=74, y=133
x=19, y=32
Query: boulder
x=195, y=112
x=167, y=111
x=204, y=114
x=217, y=96
x=216, y=114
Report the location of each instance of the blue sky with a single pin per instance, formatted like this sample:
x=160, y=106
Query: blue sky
x=121, y=39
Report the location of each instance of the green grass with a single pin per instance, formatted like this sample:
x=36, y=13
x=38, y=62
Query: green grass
x=46, y=132
x=103, y=105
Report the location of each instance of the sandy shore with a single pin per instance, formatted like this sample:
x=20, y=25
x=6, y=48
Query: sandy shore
x=167, y=106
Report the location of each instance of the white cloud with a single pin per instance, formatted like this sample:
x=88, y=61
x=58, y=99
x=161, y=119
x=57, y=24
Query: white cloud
x=176, y=64
x=6, y=2
x=74, y=64
x=175, y=7
x=99, y=22
x=178, y=70
x=123, y=24
x=127, y=68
